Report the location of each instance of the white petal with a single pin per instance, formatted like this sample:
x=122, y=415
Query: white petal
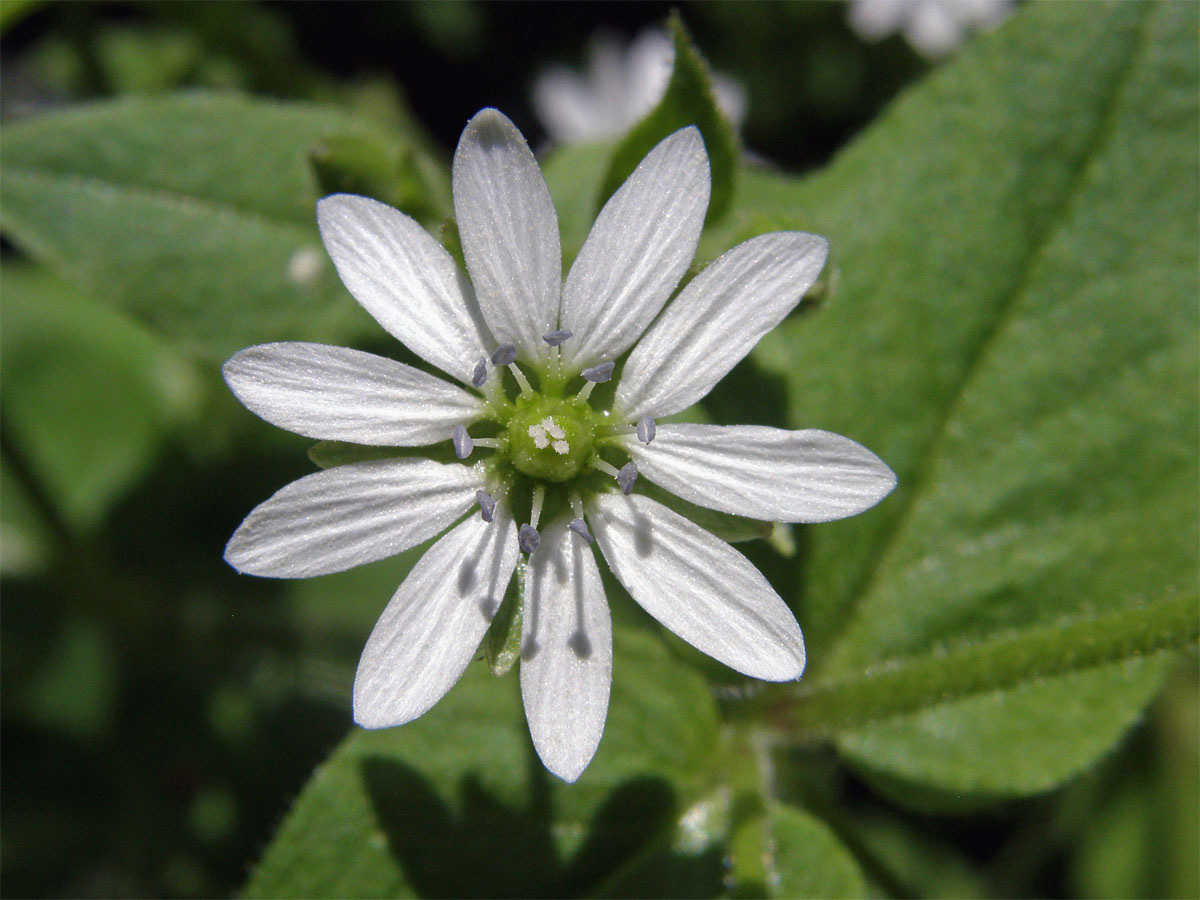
x=934, y=29
x=874, y=20
x=434, y=623
x=568, y=109
x=351, y=515
x=338, y=394
x=509, y=232
x=406, y=280
x=566, y=652
x=698, y=586
x=716, y=320
x=765, y=473
x=637, y=251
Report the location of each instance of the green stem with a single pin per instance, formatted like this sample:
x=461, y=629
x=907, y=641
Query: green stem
x=820, y=710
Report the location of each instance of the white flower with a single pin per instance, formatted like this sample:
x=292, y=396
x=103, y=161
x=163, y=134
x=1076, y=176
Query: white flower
x=932, y=27
x=550, y=451
x=622, y=85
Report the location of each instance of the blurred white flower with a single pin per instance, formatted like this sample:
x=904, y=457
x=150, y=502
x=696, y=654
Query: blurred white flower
x=533, y=444
x=620, y=86
x=932, y=27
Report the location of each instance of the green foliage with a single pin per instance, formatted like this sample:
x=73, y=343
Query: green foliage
x=12, y=11
x=502, y=643
x=90, y=397
x=457, y=804
x=1023, y=358
x=689, y=100
x=195, y=213
x=809, y=860
x=1015, y=332
x=392, y=173
x=1008, y=318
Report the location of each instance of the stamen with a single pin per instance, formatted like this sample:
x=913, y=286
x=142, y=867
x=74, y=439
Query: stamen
x=600, y=373
x=528, y=538
x=526, y=390
x=576, y=505
x=490, y=443
x=645, y=429
x=554, y=338
x=580, y=528
x=487, y=506
x=480, y=374
x=598, y=463
x=463, y=445
x=504, y=355
x=626, y=477
x=535, y=512
x=595, y=375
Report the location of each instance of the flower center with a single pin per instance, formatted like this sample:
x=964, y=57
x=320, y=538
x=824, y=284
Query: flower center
x=550, y=439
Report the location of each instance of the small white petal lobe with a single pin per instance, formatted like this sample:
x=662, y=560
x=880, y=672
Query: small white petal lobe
x=637, y=251
x=698, y=586
x=350, y=515
x=509, y=232
x=566, y=655
x=765, y=473
x=716, y=320
x=406, y=280
x=433, y=625
x=338, y=394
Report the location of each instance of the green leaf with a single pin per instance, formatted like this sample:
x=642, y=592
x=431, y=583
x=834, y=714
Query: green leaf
x=392, y=173
x=689, y=100
x=13, y=11
x=328, y=454
x=572, y=172
x=502, y=643
x=776, y=849
x=457, y=803
x=89, y=397
x=1139, y=832
x=25, y=536
x=192, y=212
x=809, y=860
x=1015, y=333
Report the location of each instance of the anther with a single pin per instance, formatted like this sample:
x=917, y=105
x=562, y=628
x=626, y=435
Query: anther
x=480, y=374
x=645, y=429
x=580, y=528
x=463, y=445
x=505, y=354
x=554, y=338
x=487, y=506
x=599, y=374
x=626, y=477
x=528, y=538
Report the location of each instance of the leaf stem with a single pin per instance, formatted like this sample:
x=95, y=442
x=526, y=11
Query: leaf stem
x=820, y=710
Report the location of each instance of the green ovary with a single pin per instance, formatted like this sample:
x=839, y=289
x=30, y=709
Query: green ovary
x=550, y=439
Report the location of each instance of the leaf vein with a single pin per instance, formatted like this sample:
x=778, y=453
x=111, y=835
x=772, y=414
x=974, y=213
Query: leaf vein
x=929, y=455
